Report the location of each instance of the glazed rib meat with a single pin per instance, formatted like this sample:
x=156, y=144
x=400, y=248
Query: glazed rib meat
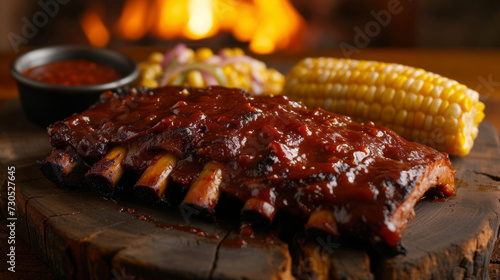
x=271, y=153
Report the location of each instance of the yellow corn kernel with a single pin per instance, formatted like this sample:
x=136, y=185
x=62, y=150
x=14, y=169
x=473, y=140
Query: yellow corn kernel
x=428, y=123
x=363, y=78
x=149, y=83
x=390, y=78
x=466, y=104
x=438, y=121
x=333, y=106
x=437, y=80
x=155, y=57
x=418, y=103
x=228, y=51
x=238, y=51
x=411, y=98
x=457, y=97
x=426, y=103
x=399, y=81
x=479, y=106
x=344, y=79
x=323, y=75
x=387, y=96
x=380, y=81
x=450, y=125
x=399, y=99
x=352, y=90
x=434, y=106
x=321, y=92
x=427, y=88
x=359, y=108
x=341, y=106
x=378, y=94
x=460, y=140
x=443, y=107
x=419, y=120
x=350, y=107
x=416, y=86
x=195, y=79
x=370, y=94
x=401, y=117
x=354, y=76
x=375, y=111
x=362, y=65
x=423, y=136
x=409, y=120
x=446, y=93
x=453, y=111
x=361, y=91
x=366, y=112
x=450, y=142
x=436, y=92
x=388, y=114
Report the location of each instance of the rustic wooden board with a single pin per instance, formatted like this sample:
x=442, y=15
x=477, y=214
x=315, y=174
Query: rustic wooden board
x=82, y=236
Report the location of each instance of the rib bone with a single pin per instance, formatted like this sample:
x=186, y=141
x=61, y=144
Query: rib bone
x=107, y=172
x=57, y=166
x=153, y=182
x=322, y=220
x=261, y=207
x=204, y=193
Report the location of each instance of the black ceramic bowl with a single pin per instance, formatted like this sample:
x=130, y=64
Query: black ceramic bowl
x=45, y=103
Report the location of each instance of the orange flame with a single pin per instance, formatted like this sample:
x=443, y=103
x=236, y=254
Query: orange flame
x=132, y=24
x=94, y=28
x=275, y=29
x=201, y=20
x=268, y=25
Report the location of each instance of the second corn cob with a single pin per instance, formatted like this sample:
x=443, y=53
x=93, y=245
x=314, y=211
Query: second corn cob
x=419, y=105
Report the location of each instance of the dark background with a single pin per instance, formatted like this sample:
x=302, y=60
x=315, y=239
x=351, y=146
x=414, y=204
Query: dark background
x=329, y=23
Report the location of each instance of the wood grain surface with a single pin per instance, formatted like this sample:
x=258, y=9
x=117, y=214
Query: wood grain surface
x=82, y=236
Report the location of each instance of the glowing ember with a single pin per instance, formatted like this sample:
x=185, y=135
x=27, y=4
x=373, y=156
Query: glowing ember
x=94, y=28
x=132, y=24
x=201, y=19
x=169, y=18
x=275, y=30
x=268, y=25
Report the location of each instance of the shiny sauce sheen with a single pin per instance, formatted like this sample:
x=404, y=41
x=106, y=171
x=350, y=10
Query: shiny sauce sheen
x=273, y=148
x=73, y=72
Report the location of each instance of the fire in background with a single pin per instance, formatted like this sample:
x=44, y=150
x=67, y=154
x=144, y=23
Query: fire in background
x=255, y=22
x=263, y=26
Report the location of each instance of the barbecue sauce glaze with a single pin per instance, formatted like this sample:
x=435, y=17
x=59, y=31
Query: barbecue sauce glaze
x=73, y=72
x=273, y=148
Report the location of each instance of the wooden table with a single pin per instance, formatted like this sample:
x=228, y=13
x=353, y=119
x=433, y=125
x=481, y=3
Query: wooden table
x=479, y=69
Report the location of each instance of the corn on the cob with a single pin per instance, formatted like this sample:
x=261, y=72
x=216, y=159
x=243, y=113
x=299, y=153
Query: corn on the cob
x=419, y=105
x=201, y=68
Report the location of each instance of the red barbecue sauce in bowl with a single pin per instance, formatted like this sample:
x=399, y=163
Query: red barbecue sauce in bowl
x=73, y=72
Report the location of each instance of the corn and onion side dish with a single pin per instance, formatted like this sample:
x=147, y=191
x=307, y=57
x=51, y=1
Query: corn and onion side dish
x=201, y=68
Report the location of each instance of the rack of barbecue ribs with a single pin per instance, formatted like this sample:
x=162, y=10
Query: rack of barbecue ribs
x=269, y=152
